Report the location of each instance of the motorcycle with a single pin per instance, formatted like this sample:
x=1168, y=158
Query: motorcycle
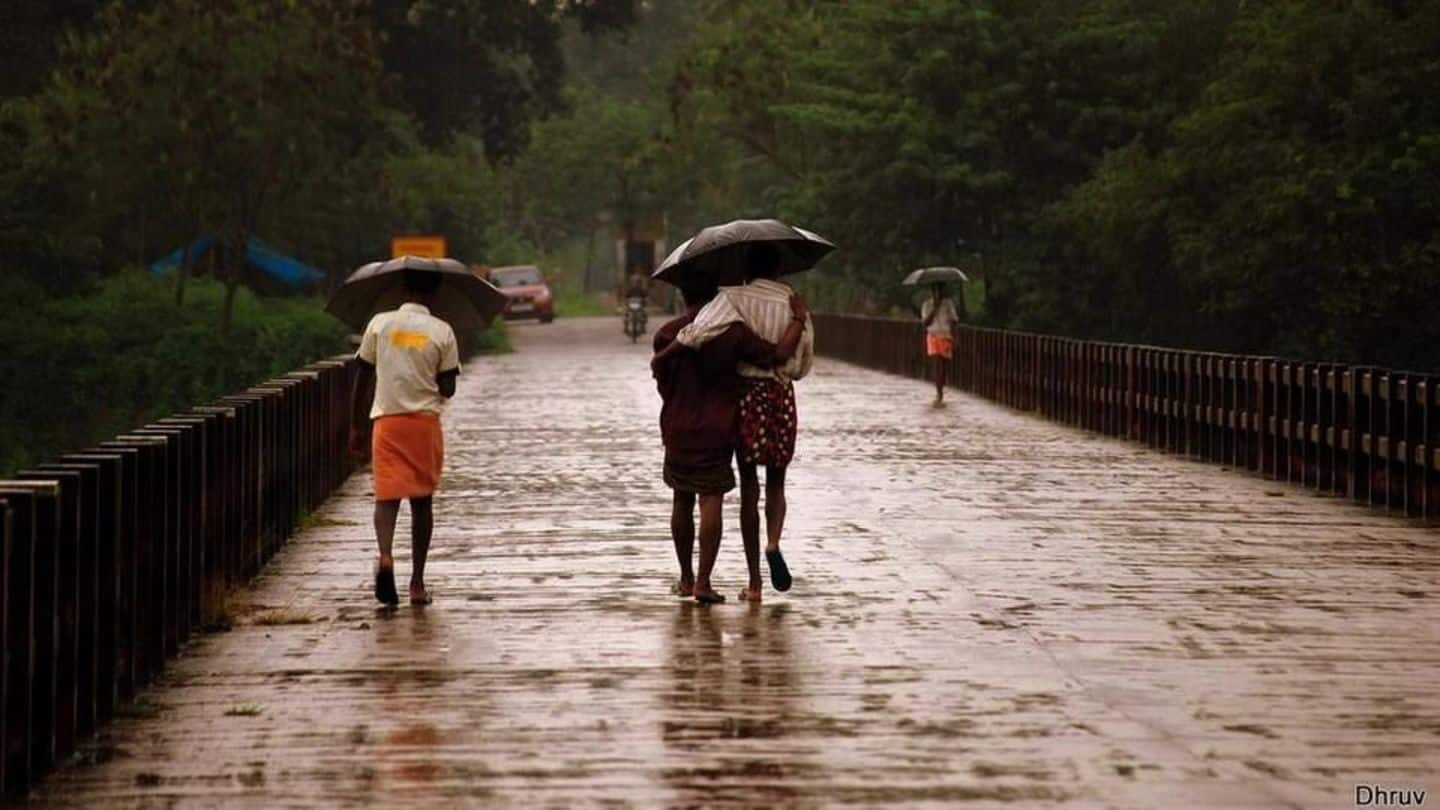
x=635, y=317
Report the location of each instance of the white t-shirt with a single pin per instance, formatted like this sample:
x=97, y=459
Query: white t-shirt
x=409, y=348
x=945, y=319
x=764, y=306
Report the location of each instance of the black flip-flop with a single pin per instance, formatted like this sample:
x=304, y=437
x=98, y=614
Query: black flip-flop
x=779, y=572
x=385, y=586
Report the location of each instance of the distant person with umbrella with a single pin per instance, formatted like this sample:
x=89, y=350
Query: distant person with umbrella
x=939, y=316
x=409, y=362
x=765, y=249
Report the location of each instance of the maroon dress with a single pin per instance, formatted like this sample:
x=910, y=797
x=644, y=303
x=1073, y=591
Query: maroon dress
x=699, y=420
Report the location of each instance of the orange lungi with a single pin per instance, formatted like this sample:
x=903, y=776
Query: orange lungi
x=408, y=451
x=937, y=346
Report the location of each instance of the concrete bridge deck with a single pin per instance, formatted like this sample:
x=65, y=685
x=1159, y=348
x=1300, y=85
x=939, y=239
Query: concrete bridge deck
x=987, y=608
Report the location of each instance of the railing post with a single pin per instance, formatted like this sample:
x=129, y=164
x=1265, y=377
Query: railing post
x=1179, y=396
x=1160, y=422
x=195, y=434
x=1233, y=408
x=243, y=555
x=103, y=642
x=1200, y=406
x=58, y=549
x=170, y=535
x=1429, y=450
x=29, y=644
x=1306, y=417
x=7, y=541
x=1214, y=399
x=18, y=649
x=144, y=565
x=79, y=615
x=1411, y=437
x=1379, y=449
x=44, y=647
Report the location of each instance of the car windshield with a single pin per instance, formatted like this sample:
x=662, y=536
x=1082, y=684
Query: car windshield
x=519, y=277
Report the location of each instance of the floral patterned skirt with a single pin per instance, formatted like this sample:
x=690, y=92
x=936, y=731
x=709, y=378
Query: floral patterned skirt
x=767, y=423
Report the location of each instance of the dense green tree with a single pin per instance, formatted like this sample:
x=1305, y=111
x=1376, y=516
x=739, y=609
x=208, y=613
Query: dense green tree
x=1252, y=177
x=31, y=34
x=1295, y=209
x=207, y=116
x=485, y=67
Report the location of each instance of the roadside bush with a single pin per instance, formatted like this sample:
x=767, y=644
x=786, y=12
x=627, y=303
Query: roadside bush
x=493, y=339
x=81, y=368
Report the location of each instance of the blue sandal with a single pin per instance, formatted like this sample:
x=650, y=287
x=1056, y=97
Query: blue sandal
x=779, y=572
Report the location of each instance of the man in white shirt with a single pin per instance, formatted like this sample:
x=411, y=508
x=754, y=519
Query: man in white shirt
x=767, y=416
x=411, y=359
x=939, y=316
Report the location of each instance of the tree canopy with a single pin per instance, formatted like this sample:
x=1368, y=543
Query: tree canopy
x=1257, y=177
x=1220, y=175
x=324, y=126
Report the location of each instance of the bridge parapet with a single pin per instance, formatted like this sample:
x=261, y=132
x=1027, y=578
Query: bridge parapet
x=1369, y=434
x=110, y=559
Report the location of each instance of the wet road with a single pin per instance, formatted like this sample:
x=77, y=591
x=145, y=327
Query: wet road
x=987, y=608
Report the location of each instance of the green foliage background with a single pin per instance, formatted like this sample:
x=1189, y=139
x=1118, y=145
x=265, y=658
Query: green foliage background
x=1218, y=174
x=128, y=127
x=83, y=367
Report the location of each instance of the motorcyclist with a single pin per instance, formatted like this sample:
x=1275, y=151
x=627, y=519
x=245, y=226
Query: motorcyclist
x=636, y=291
x=637, y=287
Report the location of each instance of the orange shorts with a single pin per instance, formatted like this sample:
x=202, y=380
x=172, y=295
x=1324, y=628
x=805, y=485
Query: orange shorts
x=408, y=451
x=936, y=346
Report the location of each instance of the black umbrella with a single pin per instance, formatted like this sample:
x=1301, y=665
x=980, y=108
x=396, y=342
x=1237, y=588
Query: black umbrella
x=463, y=300
x=935, y=275
x=718, y=248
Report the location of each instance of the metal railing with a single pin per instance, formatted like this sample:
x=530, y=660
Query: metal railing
x=1369, y=434
x=113, y=557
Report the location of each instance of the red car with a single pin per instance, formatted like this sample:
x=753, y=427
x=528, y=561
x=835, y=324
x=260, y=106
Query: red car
x=529, y=296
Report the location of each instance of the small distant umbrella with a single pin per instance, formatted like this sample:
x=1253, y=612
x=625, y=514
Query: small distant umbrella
x=719, y=247
x=463, y=300
x=935, y=275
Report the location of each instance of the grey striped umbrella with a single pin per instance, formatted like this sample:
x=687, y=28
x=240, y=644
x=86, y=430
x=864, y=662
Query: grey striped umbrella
x=464, y=300
x=718, y=250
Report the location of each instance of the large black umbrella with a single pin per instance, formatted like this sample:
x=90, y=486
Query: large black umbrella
x=463, y=300
x=719, y=248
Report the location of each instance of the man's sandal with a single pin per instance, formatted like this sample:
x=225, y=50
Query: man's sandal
x=385, y=586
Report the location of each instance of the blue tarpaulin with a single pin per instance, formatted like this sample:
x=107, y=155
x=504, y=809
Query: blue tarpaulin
x=277, y=265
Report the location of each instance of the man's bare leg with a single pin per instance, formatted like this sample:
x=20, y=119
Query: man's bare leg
x=710, y=519
x=750, y=528
x=386, y=515
x=938, y=373
x=682, y=533
x=422, y=525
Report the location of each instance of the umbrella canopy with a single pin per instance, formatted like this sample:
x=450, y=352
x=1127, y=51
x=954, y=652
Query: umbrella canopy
x=719, y=248
x=935, y=275
x=463, y=300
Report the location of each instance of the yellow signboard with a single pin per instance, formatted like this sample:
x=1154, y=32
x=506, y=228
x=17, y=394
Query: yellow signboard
x=430, y=247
